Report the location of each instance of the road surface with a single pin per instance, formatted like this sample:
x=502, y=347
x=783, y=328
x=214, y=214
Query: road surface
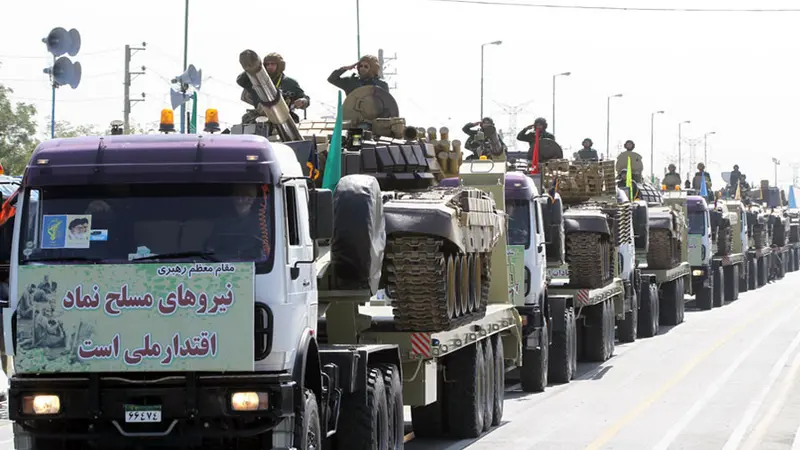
x=724, y=379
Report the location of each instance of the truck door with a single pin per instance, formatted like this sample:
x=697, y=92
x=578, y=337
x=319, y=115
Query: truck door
x=538, y=246
x=299, y=248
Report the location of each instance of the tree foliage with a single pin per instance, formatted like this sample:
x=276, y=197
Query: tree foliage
x=17, y=132
x=64, y=129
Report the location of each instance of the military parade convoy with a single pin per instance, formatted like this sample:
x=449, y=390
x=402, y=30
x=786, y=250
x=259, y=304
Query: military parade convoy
x=381, y=265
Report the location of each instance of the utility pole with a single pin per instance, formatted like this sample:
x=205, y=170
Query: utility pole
x=382, y=60
x=777, y=163
x=129, y=76
x=185, y=59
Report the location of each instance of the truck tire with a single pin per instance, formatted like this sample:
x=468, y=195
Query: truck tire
x=499, y=380
x=312, y=430
x=648, y=313
x=763, y=271
x=743, y=280
x=533, y=373
x=564, y=349
x=719, y=287
x=394, y=400
x=704, y=297
x=488, y=383
x=628, y=327
x=752, y=274
x=364, y=421
x=732, y=283
x=671, y=303
x=599, y=334
x=464, y=393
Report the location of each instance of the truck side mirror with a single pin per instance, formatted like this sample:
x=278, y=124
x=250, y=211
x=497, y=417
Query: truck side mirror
x=321, y=213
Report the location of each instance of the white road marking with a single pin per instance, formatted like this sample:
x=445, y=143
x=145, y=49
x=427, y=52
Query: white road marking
x=716, y=384
x=738, y=433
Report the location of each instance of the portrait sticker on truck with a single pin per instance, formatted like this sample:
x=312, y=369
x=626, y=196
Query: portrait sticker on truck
x=135, y=317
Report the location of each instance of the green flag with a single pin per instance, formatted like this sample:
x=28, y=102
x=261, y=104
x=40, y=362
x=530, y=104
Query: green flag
x=629, y=179
x=333, y=165
x=193, y=122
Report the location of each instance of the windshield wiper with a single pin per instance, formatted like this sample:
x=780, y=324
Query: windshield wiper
x=64, y=259
x=208, y=256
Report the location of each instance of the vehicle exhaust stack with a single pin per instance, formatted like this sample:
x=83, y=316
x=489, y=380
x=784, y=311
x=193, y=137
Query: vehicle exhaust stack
x=271, y=103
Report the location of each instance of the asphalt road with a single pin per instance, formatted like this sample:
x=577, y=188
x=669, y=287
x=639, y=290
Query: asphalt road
x=724, y=379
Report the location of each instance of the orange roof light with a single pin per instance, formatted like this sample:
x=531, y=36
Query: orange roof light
x=167, y=121
x=2, y=170
x=663, y=187
x=212, y=121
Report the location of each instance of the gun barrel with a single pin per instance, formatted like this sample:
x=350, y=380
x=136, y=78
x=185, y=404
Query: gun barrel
x=272, y=104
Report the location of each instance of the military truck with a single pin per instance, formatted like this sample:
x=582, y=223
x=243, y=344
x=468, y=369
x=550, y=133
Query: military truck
x=717, y=245
x=445, y=276
x=793, y=215
x=759, y=250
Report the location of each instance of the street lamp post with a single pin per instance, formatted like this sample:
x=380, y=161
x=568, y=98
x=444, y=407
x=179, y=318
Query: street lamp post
x=564, y=74
x=185, y=58
x=777, y=163
x=705, y=146
x=652, y=153
x=482, y=46
x=358, y=28
x=679, y=143
x=608, y=123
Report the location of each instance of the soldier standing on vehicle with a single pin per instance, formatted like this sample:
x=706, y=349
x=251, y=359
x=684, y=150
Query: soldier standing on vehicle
x=289, y=88
x=735, y=177
x=587, y=153
x=547, y=152
x=369, y=70
x=672, y=179
x=473, y=143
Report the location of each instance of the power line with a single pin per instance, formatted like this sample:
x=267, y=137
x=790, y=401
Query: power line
x=615, y=8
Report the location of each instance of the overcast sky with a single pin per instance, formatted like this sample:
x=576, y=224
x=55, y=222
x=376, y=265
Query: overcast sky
x=733, y=73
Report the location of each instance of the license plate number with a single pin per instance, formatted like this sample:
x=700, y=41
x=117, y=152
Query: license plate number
x=142, y=414
x=561, y=272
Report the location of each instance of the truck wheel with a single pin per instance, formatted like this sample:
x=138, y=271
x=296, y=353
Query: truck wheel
x=743, y=285
x=752, y=275
x=563, y=358
x=629, y=326
x=394, y=400
x=599, y=334
x=533, y=373
x=648, y=313
x=488, y=383
x=671, y=302
x=464, y=393
x=312, y=431
x=364, y=422
x=719, y=287
x=731, y=283
x=704, y=297
x=680, y=298
x=499, y=380
x=763, y=272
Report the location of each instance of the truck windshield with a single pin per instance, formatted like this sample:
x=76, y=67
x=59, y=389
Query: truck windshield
x=697, y=222
x=519, y=222
x=118, y=224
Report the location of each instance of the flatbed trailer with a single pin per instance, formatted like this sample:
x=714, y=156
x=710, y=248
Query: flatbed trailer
x=672, y=284
x=597, y=307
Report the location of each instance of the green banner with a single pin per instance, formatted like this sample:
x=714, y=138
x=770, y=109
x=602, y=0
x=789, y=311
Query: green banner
x=515, y=257
x=135, y=317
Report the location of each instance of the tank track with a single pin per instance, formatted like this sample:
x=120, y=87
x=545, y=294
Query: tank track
x=724, y=241
x=760, y=236
x=622, y=216
x=662, y=253
x=585, y=253
x=427, y=291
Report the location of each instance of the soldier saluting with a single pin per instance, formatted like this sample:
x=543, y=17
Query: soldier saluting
x=369, y=70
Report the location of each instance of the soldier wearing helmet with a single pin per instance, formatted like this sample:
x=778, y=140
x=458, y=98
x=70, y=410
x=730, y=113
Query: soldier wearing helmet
x=525, y=135
x=671, y=178
x=369, y=71
x=587, y=153
x=289, y=88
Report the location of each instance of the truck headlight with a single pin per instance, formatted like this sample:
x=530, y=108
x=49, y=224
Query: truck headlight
x=41, y=404
x=249, y=401
x=697, y=273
